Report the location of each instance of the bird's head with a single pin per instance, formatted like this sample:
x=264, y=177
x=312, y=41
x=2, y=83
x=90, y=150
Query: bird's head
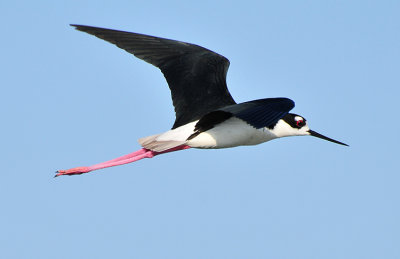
x=296, y=125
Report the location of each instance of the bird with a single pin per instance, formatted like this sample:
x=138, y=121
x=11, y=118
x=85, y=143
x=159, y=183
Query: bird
x=207, y=117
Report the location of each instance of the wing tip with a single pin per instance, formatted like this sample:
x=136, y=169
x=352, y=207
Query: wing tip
x=287, y=100
x=291, y=103
x=84, y=28
x=76, y=26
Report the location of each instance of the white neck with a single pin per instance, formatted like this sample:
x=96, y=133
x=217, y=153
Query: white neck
x=283, y=129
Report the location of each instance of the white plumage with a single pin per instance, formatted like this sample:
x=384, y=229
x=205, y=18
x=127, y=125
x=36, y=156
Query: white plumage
x=230, y=133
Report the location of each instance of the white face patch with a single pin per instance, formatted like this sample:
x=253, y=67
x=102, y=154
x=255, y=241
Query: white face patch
x=298, y=118
x=283, y=129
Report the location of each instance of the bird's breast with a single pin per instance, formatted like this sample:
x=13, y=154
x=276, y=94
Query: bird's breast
x=231, y=133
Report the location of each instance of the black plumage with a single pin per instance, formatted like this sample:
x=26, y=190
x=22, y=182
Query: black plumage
x=258, y=113
x=261, y=113
x=197, y=79
x=196, y=76
x=209, y=121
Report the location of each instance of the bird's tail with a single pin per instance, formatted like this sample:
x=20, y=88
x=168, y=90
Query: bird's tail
x=152, y=143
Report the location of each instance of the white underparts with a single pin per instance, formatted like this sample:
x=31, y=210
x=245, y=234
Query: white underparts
x=230, y=133
x=170, y=139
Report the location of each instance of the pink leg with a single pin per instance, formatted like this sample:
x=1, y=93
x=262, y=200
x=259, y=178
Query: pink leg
x=129, y=158
x=133, y=154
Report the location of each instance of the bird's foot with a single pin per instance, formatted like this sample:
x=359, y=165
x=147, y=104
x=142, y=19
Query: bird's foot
x=73, y=171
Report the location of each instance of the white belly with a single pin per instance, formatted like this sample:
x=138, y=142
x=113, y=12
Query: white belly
x=231, y=133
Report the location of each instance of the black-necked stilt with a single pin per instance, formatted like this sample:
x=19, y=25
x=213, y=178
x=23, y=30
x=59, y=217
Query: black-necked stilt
x=206, y=114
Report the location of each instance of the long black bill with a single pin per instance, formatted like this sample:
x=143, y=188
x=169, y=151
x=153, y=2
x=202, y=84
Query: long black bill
x=316, y=134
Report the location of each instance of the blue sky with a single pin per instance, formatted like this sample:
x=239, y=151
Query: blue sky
x=69, y=99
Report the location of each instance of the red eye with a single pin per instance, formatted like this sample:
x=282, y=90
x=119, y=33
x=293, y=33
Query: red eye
x=300, y=123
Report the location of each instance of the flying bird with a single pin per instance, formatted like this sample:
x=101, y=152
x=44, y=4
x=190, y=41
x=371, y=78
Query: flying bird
x=206, y=114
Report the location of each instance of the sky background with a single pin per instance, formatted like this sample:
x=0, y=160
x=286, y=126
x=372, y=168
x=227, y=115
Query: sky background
x=69, y=99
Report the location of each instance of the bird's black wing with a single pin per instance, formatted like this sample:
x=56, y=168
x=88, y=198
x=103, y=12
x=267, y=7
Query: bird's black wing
x=258, y=113
x=261, y=113
x=196, y=76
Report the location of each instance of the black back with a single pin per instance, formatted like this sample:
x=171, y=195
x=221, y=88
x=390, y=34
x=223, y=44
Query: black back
x=258, y=113
x=196, y=76
x=261, y=113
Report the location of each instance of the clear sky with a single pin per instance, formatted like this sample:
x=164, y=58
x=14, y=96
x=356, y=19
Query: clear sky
x=69, y=99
